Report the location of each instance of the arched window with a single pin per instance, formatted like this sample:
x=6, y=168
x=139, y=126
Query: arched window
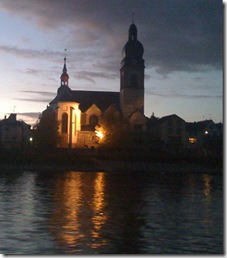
x=64, y=128
x=93, y=120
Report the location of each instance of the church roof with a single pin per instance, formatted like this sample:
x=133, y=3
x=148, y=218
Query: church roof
x=64, y=95
x=102, y=99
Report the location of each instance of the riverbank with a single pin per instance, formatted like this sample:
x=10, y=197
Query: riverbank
x=114, y=166
x=156, y=167
x=87, y=161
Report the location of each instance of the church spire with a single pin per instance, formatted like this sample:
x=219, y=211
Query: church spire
x=64, y=77
x=132, y=33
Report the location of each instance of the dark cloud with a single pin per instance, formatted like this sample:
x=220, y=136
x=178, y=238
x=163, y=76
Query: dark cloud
x=31, y=71
x=33, y=100
x=177, y=35
x=31, y=53
x=37, y=96
x=42, y=93
x=86, y=75
x=183, y=96
x=30, y=114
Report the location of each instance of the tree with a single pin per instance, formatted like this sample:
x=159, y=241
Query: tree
x=111, y=130
x=46, y=130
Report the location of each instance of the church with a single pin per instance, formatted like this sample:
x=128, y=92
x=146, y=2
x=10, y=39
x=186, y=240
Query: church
x=78, y=112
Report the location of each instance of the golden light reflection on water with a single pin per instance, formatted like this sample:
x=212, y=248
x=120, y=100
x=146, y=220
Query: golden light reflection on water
x=207, y=185
x=98, y=209
x=208, y=218
x=68, y=201
x=72, y=193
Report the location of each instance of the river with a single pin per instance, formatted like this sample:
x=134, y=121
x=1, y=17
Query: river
x=110, y=213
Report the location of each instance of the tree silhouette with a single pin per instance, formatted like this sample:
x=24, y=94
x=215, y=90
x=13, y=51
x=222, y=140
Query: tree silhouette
x=112, y=128
x=46, y=130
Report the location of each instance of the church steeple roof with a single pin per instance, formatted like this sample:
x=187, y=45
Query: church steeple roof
x=133, y=49
x=132, y=32
x=64, y=77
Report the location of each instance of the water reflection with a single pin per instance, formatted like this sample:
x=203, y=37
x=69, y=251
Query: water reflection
x=67, y=201
x=207, y=220
x=79, y=208
x=98, y=206
x=87, y=213
x=207, y=185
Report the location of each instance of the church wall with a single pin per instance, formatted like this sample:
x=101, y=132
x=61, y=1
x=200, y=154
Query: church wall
x=68, y=114
x=138, y=122
x=111, y=113
x=132, y=100
x=132, y=77
x=87, y=139
x=93, y=110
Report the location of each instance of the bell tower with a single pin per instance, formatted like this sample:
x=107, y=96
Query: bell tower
x=64, y=79
x=132, y=75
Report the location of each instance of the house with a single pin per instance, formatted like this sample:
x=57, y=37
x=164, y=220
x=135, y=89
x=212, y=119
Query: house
x=171, y=132
x=198, y=130
x=205, y=136
x=14, y=134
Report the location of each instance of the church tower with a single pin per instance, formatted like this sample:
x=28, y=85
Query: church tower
x=132, y=75
x=64, y=79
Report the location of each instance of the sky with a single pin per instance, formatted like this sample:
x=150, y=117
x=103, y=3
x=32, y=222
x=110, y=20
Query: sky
x=183, y=53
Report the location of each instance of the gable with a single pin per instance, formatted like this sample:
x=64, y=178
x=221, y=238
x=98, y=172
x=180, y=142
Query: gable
x=112, y=110
x=137, y=118
x=93, y=110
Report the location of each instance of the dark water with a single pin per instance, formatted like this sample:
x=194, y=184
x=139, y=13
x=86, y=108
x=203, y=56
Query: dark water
x=88, y=213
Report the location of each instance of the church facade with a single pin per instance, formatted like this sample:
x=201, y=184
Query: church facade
x=78, y=112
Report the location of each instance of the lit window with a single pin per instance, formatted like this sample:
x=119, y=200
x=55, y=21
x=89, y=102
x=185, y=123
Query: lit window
x=192, y=140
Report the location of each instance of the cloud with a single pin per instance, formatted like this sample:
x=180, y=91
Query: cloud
x=182, y=96
x=31, y=116
x=31, y=53
x=38, y=96
x=89, y=75
x=42, y=93
x=178, y=35
x=31, y=71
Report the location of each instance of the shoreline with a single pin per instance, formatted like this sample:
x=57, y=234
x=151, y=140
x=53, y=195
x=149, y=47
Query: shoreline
x=116, y=167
